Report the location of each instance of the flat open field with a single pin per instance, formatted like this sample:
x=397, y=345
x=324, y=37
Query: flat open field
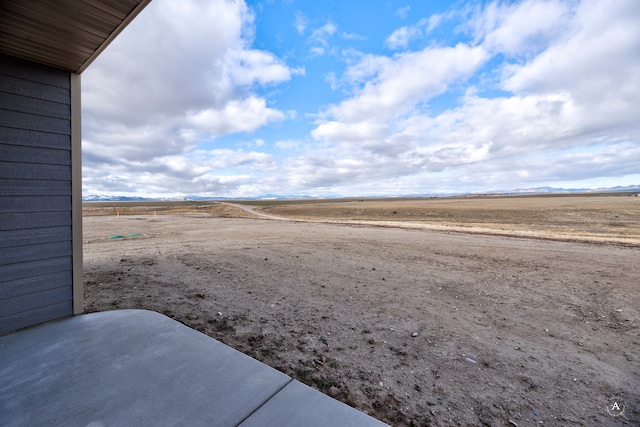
x=393, y=310
x=598, y=217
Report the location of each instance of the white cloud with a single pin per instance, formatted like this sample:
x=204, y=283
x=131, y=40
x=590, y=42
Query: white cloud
x=402, y=12
x=301, y=22
x=400, y=38
x=317, y=51
x=320, y=39
x=323, y=34
x=572, y=101
x=362, y=68
x=433, y=22
x=180, y=69
x=288, y=145
x=245, y=67
x=521, y=27
x=361, y=130
x=353, y=36
x=596, y=50
x=597, y=67
x=394, y=86
x=237, y=116
x=201, y=172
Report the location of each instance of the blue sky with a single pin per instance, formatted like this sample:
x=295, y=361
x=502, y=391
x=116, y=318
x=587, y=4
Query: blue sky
x=227, y=98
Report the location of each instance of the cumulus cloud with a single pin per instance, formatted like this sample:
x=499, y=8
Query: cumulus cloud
x=243, y=115
x=393, y=86
x=569, y=96
x=199, y=172
x=593, y=61
x=592, y=72
x=521, y=27
x=181, y=70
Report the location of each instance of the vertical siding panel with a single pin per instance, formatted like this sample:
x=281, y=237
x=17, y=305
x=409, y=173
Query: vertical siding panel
x=36, y=263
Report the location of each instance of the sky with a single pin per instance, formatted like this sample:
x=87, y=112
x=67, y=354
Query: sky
x=230, y=98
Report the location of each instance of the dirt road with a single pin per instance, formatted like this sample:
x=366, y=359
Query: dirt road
x=252, y=211
x=411, y=326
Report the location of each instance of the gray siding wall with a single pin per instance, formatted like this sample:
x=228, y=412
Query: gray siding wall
x=35, y=194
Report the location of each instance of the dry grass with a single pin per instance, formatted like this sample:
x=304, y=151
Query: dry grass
x=613, y=218
x=602, y=217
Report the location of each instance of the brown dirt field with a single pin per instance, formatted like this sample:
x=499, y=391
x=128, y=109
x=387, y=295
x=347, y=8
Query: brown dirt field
x=508, y=330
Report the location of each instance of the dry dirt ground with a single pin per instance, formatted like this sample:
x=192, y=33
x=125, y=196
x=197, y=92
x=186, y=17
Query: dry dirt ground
x=421, y=327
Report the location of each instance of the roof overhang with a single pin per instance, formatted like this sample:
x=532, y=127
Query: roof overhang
x=64, y=34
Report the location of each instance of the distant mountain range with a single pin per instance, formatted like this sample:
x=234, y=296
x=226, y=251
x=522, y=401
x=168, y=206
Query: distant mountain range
x=96, y=198
x=538, y=190
x=552, y=190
